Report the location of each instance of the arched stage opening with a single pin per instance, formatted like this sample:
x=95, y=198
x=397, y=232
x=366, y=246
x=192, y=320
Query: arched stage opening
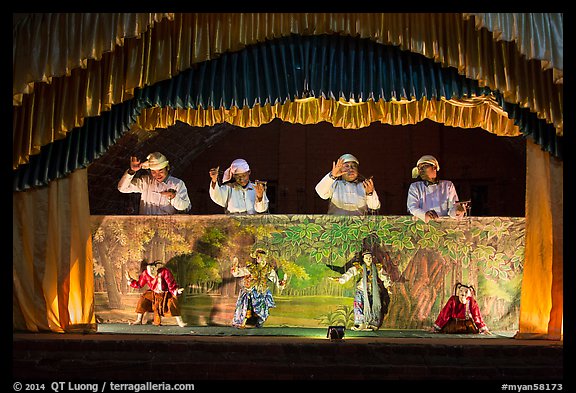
x=292, y=100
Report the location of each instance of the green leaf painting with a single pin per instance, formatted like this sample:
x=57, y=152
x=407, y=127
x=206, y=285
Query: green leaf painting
x=424, y=261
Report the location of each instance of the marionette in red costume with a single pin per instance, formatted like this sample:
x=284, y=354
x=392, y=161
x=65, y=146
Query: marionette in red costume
x=461, y=314
x=162, y=296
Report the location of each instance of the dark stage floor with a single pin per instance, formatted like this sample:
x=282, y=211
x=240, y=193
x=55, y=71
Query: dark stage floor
x=211, y=353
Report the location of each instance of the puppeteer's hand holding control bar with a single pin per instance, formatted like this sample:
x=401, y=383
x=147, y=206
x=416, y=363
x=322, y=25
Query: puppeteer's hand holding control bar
x=463, y=208
x=261, y=182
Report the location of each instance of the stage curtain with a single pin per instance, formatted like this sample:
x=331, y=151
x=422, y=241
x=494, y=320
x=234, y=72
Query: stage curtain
x=465, y=113
x=52, y=267
x=174, y=44
x=537, y=36
x=49, y=112
x=48, y=45
x=541, y=301
x=87, y=143
x=80, y=147
x=366, y=82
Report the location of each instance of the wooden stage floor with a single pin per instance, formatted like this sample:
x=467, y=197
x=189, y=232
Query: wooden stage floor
x=121, y=352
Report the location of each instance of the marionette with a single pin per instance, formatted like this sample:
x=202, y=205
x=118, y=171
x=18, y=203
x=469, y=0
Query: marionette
x=255, y=298
x=161, y=298
x=461, y=314
x=372, y=296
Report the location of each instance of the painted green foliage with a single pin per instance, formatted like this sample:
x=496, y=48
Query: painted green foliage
x=485, y=251
x=496, y=244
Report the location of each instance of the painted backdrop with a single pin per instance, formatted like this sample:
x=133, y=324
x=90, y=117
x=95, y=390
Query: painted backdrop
x=424, y=262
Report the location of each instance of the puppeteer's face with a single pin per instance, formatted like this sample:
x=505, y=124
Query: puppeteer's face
x=350, y=171
x=152, y=270
x=159, y=174
x=367, y=259
x=242, y=178
x=463, y=294
x=427, y=171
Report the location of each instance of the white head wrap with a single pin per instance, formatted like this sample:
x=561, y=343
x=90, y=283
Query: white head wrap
x=349, y=158
x=156, y=161
x=238, y=166
x=428, y=159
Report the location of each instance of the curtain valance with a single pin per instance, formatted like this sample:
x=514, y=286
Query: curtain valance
x=48, y=45
x=173, y=43
x=537, y=35
x=301, y=79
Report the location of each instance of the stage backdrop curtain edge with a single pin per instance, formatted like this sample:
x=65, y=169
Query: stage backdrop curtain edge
x=52, y=267
x=541, y=300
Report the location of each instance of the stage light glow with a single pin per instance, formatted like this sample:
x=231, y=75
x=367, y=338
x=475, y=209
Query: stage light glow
x=335, y=332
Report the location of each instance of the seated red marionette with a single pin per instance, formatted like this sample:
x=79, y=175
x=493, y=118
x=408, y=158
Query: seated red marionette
x=461, y=314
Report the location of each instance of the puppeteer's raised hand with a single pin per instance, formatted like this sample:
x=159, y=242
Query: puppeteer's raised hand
x=368, y=186
x=128, y=278
x=135, y=164
x=179, y=291
x=214, y=174
x=259, y=188
x=338, y=168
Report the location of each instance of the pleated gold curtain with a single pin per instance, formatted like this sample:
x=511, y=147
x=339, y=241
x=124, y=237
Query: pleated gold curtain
x=541, y=300
x=480, y=112
x=52, y=269
x=83, y=71
x=62, y=43
x=537, y=36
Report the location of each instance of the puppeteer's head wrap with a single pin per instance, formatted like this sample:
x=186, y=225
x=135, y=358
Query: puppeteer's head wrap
x=156, y=161
x=238, y=166
x=349, y=158
x=427, y=159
